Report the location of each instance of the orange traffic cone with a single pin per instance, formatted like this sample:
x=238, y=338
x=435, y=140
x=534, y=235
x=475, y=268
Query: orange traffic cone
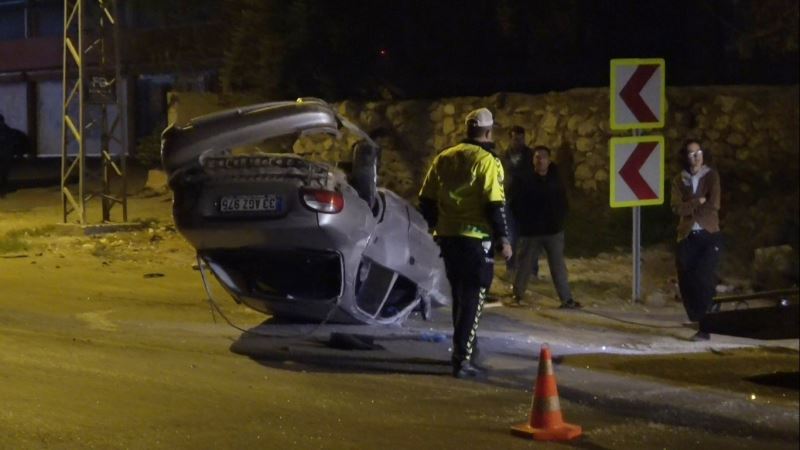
x=545, y=422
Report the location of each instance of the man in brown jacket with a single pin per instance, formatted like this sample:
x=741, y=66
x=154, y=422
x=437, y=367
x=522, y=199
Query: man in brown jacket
x=696, y=202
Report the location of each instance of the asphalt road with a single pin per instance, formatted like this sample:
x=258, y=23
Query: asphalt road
x=107, y=341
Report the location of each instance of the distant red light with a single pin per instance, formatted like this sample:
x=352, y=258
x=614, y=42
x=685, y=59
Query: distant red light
x=383, y=52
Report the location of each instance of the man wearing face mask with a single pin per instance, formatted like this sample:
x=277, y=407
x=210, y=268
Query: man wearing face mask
x=696, y=202
x=517, y=153
x=517, y=156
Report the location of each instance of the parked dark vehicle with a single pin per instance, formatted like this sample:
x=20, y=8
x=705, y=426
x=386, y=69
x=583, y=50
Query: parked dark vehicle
x=293, y=237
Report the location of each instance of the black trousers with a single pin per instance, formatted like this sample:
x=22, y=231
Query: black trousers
x=469, y=264
x=697, y=258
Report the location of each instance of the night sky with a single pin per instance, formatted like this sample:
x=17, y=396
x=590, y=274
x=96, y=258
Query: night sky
x=430, y=49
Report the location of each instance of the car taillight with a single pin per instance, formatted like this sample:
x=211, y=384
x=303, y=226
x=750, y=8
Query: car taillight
x=323, y=201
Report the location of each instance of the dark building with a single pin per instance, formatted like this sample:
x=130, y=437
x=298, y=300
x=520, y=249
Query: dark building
x=161, y=49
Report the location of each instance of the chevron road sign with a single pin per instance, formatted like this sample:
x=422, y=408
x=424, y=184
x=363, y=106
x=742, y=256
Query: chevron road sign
x=636, y=165
x=636, y=171
x=637, y=93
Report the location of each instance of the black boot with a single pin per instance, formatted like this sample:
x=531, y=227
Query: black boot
x=700, y=336
x=465, y=369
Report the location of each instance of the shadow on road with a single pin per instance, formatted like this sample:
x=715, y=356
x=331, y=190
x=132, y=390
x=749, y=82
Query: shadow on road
x=338, y=349
x=314, y=348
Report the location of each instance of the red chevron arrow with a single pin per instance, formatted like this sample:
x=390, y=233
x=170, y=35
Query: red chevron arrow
x=630, y=171
x=630, y=93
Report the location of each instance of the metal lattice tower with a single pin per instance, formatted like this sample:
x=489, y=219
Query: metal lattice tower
x=93, y=102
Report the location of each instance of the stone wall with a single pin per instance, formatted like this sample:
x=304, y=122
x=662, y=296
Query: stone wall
x=752, y=132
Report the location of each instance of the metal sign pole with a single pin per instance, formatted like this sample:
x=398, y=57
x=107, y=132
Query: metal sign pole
x=636, y=248
x=636, y=253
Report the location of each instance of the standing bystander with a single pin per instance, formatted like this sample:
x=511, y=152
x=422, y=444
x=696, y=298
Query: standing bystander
x=539, y=206
x=517, y=154
x=696, y=202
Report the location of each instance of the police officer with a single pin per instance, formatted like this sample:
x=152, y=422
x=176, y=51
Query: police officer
x=462, y=199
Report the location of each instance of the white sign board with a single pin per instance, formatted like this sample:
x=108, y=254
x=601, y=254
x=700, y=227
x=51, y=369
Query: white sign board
x=636, y=171
x=637, y=93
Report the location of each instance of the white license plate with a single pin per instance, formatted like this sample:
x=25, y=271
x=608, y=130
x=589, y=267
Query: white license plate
x=250, y=203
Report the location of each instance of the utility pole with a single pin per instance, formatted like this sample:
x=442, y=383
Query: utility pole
x=94, y=119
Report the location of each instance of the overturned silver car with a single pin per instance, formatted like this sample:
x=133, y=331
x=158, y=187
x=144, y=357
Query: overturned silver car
x=296, y=238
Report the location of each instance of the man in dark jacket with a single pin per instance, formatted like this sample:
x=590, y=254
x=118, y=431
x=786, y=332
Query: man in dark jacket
x=518, y=153
x=539, y=206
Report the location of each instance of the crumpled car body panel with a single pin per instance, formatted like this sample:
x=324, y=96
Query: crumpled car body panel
x=250, y=218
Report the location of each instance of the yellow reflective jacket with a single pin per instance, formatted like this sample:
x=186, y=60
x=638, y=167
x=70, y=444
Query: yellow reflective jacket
x=463, y=180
